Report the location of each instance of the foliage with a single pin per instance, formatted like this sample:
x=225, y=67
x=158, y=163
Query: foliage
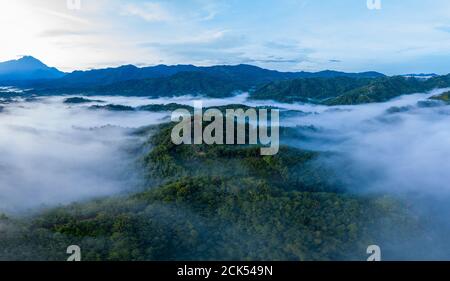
x=112, y=107
x=307, y=89
x=445, y=97
x=214, y=203
x=183, y=83
x=347, y=91
x=77, y=100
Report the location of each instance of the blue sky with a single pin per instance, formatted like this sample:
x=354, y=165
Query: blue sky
x=404, y=36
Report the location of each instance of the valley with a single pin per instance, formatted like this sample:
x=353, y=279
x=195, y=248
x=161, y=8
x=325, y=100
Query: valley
x=138, y=196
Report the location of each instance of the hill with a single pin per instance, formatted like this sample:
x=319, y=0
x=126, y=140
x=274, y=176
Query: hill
x=183, y=83
x=347, y=91
x=445, y=97
x=194, y=207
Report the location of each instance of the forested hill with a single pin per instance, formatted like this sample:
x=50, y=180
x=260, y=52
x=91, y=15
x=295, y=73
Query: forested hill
x=347, y=91
x=283, y=207
x=313, y=90
x=183, y=83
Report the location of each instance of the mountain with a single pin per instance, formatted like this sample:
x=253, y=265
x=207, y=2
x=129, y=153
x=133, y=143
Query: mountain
x=324, y=87
x=183, y=83
x=27, y=68
x=347, y=91
x=102, y=77
x=215, y=81
x=247, y=76
x=382, y=90
x=313, y=90
x=334, y=74
x=31, y=73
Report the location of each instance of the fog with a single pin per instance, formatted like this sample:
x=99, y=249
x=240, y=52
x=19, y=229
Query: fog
x=52, y=153
x=55, y=153
x=400, y=148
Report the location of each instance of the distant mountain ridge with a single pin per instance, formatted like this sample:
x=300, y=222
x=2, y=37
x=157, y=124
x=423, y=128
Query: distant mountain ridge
x=246, y=75
x=27, y=68
x=325, y=87
x=215, y=81
x=195, y=83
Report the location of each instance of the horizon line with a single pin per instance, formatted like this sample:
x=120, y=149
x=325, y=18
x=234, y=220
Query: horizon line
x=19, y=57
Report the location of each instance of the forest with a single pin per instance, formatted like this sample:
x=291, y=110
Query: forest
x=347, y=91
x=215, y=203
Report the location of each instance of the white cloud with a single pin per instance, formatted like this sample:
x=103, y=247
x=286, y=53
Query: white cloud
x=105, y=32
x=149, y=11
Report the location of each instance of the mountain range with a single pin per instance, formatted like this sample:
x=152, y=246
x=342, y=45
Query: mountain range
x=325, y=87
x=31, y=71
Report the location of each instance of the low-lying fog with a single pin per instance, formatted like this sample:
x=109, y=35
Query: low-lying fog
x=400, y=146
x=55, y=153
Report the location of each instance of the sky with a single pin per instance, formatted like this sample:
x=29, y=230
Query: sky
x=404, y=36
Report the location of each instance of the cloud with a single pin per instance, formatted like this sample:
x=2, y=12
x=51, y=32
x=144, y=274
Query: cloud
x=148, y=11
x=273, y=59
x=58, y=154
x=399, y=150
x=210, y=47
x=230, y=47
x=444, y=28
x=64, y=32
x=283, y=45
x=398, y=38
x=63, y=15
x=208, y=10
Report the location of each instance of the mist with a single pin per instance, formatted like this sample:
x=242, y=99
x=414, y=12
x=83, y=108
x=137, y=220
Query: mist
x=400, y=148
x=53, y=153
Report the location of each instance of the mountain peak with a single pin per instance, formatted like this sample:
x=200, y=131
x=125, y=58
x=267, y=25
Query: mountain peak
x=28, y=58
x=27, y=68
x=31, y=61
